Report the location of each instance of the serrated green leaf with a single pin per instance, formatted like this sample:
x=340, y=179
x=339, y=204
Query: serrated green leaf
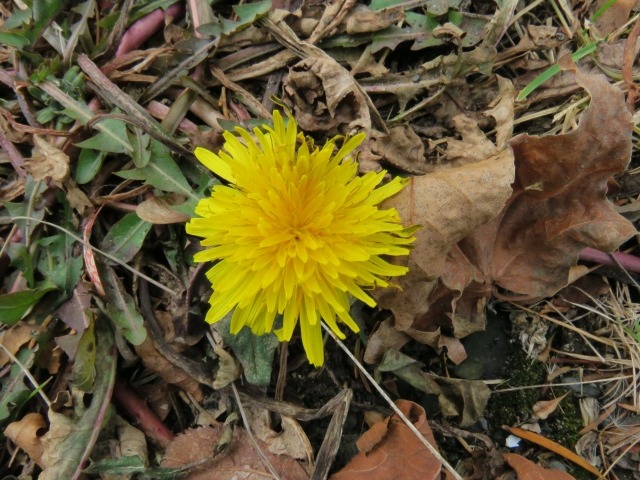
x=58, y=263
x=89, y=164
x=18, y=19
x=162, y=172
x=126, y=237
x=121, y=307
x=14, y=306
x=78, y=110
x=255, y=352
x=103, y=141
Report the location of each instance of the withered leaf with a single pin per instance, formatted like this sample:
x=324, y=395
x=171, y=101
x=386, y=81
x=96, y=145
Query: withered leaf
x=401, y=148
x=527, y=470
x=155, y=361
x=24, y=433
x=325, y=97
x=559, y=204
x=449, y=204
x=239, y=460
x=390, y=447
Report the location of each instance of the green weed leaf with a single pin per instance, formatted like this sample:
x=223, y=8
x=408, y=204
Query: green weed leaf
x=126, y=237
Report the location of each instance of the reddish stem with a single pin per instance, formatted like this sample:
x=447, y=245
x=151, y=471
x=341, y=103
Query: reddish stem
x=150, y=424
x=142, y=30
x=627, y=261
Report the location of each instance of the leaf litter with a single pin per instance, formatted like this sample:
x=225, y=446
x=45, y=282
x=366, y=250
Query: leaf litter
x=101, y=110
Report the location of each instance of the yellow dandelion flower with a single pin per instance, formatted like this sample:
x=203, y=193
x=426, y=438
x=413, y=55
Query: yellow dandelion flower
x=294, y=233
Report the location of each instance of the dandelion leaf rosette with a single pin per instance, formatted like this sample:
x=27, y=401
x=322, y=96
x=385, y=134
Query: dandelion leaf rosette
x=295, y=233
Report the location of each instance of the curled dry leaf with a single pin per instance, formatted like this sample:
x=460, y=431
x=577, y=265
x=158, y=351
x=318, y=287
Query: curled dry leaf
x=361, y=19
x=325, y=97
x=390, y=447
x=450, y=203
x=544, y=408
x=154, y=361
x=239, y=460
x=289, y=440
x=13, y=339
x=47, y=161
x=527, y=470
x=385, y=337
x=401, y=148
x=559, y=204
x=24, y=433
x=157, y=210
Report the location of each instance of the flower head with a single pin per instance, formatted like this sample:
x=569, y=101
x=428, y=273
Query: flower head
x=294, y=233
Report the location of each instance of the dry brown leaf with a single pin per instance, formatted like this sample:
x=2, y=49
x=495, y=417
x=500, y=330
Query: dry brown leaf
x=363, y=20
x=450, y=203
x=544, y=408
x=613, y=17
x=325, y=97
x=527, y=470
x=333, y=15
x=402, y=148
x=158, y=210
x=12, y=339
x=382, y=339
x=47, y=161
x=154, y=361
x=73, y=311
x=289, y=440
x=24, y=433
x=240, y=460
x=559, y=205
x=390, y=447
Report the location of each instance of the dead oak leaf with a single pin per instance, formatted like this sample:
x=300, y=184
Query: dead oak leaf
x=239, y=460
x=527, y=470
x=389, y=447
x=559, y=204
x=450, y=203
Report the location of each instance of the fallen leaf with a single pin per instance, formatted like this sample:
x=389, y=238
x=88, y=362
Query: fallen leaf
x=613, y=17
x=465, y=399
x=553, y=447
x=24, y=433
x=289, y=440
x=13, y=339
x=559, y=204
x=157, y=210
x=48, y=161
x=382, y=339
x=450, y=203
x=363, y=20
x=154, y=361
x=544, y=408
x=401, y=148
x=390, y=447
x=73, y=311
x=239, y=460
x=325, y=97
x=527, y=470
